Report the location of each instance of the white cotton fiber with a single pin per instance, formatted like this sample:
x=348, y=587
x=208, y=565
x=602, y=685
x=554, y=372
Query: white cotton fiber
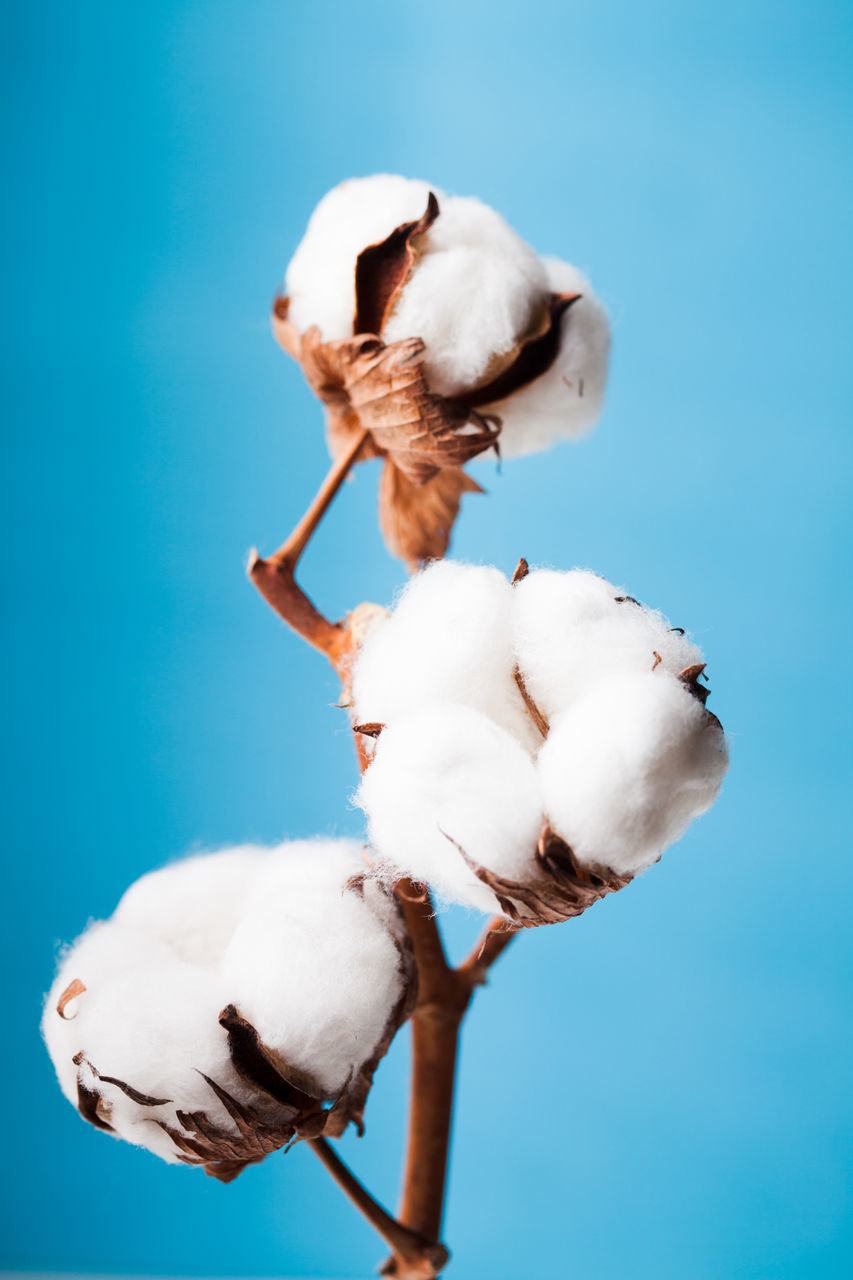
x=280, y=933
x=341, y=981
x=446, y=777
x=565, y=401
x=320, y=279
x=571, y=630
x=145, y=1018
x=448, y=641
x=627, y=768
x=193, y=905
x=476, y=291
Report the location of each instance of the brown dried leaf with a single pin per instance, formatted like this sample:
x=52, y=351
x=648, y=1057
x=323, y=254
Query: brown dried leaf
x=382, y=269
x=417, y=520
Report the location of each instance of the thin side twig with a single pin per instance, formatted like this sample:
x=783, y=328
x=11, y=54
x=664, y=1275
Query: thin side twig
x=274, y=576
x=407, y=1245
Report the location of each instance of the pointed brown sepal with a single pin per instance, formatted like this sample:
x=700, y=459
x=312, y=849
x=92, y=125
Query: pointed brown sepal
x=264, y=1069
x=521, y=571
x=689, y=677
x=370, y=730
x=382, y=269
x=74, y=989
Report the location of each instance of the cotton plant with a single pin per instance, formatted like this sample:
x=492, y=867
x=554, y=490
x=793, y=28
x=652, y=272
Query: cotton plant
x=433, y=333
x=527, y=745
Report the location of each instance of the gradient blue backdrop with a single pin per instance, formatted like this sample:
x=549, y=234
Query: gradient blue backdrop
x=661, y=1089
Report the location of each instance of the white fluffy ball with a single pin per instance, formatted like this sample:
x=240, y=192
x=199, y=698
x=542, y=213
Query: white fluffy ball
x=445, y=779
x=476, y=293
x=312, y=960
x=628, y=767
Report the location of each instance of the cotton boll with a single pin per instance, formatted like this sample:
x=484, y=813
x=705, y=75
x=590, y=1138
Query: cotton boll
x=476, y=291
x=449, y=777
x=448, y=640
x=565, y=401
x=193, y=905
x=282, y=934
x=573, y=629
x=321, y=998
x=144, y=1018
x=360, y=212
x=626, y=769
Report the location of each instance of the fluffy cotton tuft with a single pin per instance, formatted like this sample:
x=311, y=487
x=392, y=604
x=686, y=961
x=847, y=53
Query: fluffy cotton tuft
x=475, y=295
x=611, y=634
x=320, y=279
x=565, y=401
x=310, y=953
x=476, y=292
x=448, y=779
x=448, y=640
x=555, y=705
x=628, y=767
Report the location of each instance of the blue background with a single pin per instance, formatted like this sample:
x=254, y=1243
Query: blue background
x=662, y=1088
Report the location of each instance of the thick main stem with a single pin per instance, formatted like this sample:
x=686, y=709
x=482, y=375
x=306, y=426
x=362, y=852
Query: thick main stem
x=443, y=992
x=443, y=996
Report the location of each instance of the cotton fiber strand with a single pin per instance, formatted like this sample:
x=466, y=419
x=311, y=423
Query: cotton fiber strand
x=311, y=954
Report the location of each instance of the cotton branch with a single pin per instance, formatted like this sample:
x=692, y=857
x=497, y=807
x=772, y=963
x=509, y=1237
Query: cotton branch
x=412, y=1250
x=274, y=576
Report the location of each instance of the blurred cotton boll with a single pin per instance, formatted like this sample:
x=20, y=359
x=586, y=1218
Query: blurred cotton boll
x=539, y=743
x=228, y=999
x=471, y=290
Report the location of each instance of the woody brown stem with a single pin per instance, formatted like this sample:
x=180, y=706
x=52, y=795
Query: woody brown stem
x=493, y=942
x=443, y=996
x=409, y=1247
x=291, y=550
x=274, y=576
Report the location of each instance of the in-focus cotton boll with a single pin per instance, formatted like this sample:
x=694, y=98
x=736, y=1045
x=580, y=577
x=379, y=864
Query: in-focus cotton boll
x=628, y=767
x=447, y=779
x=565, y=401
x=214, y=1030
x=553, y=728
